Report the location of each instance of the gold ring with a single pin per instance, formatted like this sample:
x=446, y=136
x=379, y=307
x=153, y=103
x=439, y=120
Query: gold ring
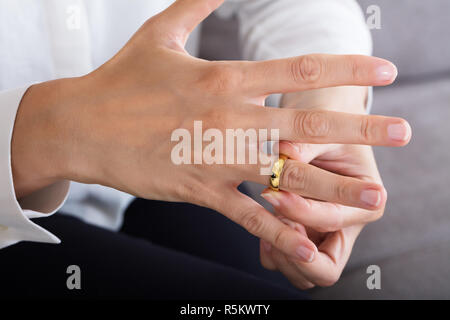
x=277, y=169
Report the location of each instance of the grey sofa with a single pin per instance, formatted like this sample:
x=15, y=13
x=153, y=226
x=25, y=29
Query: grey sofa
x=411, y=243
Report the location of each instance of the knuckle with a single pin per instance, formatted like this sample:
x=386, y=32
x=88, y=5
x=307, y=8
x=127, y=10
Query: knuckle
x=294, y=177
x=367, y=129
x=306, y=69
x=313, y=124
x=355, y=70
x=222, y=78
x=253, y=222
x=342, y=191
x=278, y=240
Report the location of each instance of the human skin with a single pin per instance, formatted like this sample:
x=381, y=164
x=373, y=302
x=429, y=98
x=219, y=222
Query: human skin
x=332, y=227
x=113, y=126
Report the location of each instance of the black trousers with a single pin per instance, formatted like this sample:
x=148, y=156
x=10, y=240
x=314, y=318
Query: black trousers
x=163, y=251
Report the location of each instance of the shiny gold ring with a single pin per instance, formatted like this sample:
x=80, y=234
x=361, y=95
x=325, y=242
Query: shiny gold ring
x=277, y=169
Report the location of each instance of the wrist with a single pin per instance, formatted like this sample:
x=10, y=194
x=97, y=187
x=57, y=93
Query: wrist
x=40, y=150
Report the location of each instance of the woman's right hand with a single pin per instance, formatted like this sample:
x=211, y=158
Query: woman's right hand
x=114, y=126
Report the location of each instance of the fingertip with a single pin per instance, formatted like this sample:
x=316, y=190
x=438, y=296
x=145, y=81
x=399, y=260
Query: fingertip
x=374, y=197
x=395, y=73
x=385, y=72
x=306, y=252
x=384, y=196
x=315, y=251
x=408, y=134
x=400, y=132
x=306, y=255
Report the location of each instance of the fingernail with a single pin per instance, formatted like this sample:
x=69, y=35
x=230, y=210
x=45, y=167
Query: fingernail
x=270, y=198
x=305, y=253
x=386, y=72
x=371, y=197
x=399, y=131
x=267, y=246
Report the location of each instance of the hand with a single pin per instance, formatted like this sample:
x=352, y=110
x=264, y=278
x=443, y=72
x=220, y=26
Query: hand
x=114, y=126
x=332, y=227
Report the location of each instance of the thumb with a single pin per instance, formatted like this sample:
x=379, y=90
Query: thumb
x=184, y=15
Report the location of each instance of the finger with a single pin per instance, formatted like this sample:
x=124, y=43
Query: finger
x=266, y=259
x=318, y=215
x=333, y=255
x=315, y=183
x=328, y=127
x=290, y=271
x=185, y=15
x=287, y=267
x=262, y=224
x=304, y=152
x=318, y=71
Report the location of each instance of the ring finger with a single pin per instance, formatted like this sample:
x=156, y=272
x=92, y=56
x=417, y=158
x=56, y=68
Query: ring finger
x=315, y=183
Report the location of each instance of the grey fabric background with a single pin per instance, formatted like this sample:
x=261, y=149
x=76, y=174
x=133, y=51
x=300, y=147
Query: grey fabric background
x=411, y=244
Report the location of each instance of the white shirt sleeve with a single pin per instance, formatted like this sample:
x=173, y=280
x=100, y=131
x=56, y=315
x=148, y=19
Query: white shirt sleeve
x=285, y=28
x=15, y=223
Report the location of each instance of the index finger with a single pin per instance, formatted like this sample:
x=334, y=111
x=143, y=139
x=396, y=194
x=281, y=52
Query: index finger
x=318, y=71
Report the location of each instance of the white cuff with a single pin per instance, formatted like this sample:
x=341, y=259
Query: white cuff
x=15, y=223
